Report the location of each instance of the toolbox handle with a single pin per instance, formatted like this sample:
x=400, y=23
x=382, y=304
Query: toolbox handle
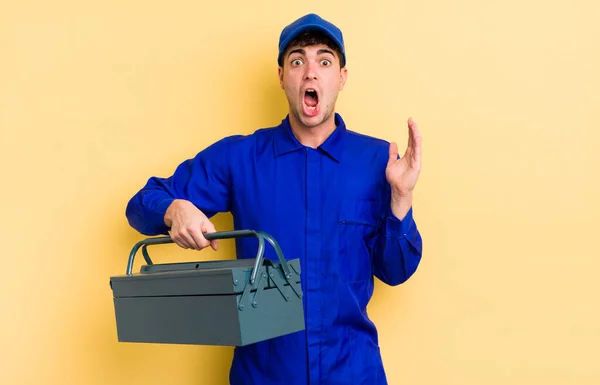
x=261, y=235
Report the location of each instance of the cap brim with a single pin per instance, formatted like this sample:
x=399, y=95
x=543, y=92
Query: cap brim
x=307, y=27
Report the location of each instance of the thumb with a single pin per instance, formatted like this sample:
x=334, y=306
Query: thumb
x=393, y=152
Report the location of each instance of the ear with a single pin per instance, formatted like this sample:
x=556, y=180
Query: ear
x=280, y=73
x=343, y=77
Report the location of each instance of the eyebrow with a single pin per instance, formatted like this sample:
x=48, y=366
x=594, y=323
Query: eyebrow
x=303, y=52
x=322, y=51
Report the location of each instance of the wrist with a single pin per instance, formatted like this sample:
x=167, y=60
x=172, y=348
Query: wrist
x=401, y=204
x=171, y=211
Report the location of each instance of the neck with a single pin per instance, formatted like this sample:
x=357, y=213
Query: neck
x=312, y=136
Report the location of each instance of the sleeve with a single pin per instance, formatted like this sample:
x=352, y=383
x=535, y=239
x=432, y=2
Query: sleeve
x=397, y=248
x=204, y=180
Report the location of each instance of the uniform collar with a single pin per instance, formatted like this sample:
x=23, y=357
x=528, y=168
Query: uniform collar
x=285, y=141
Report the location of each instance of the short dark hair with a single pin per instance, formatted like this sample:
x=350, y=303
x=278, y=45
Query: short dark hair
x=309, y=37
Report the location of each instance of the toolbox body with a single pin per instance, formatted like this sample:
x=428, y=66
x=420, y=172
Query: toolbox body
x=232, y=302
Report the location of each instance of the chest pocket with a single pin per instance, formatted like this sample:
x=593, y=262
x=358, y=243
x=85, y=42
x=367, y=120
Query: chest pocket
x=358, y=223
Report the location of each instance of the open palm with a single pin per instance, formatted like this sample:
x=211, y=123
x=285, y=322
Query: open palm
x=402, y=173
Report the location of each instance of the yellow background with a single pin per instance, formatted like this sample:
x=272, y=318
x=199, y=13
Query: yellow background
x=95, y=97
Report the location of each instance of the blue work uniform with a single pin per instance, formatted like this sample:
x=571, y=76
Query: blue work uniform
x=329, y=207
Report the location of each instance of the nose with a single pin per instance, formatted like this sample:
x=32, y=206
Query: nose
x=311, y=72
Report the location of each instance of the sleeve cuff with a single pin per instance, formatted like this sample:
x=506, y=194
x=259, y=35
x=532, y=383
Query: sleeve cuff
x=158, y=214
x=397, y=227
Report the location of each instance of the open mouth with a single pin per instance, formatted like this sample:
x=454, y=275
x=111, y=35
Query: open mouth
x=311, y=101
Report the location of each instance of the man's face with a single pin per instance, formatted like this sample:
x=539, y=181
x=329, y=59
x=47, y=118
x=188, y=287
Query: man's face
x=311, y=78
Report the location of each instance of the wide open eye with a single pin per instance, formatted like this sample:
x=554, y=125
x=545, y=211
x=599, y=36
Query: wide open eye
x=325, y=62
x=297, y=62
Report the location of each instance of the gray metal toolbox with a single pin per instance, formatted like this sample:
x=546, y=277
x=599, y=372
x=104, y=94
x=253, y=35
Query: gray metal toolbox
x=229, y=302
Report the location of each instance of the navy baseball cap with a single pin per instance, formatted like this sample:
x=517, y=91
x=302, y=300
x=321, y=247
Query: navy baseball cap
x=311, y=22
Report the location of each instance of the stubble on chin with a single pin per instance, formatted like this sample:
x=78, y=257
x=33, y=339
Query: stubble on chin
x=306, y=123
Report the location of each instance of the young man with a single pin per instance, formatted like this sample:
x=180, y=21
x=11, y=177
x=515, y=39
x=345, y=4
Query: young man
x=338, y=200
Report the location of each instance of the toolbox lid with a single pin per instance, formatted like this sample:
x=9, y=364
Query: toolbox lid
x=200, y=278
x=207, y=277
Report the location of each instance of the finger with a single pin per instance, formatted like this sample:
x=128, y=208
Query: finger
x=393, y=152
x=210, y=228
x=199, y=239
x=416, y=142
x=188, y=237
x=178, y=241
x=414, y=131
x=181, y=244
x=411, y=124
x=408, y=151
